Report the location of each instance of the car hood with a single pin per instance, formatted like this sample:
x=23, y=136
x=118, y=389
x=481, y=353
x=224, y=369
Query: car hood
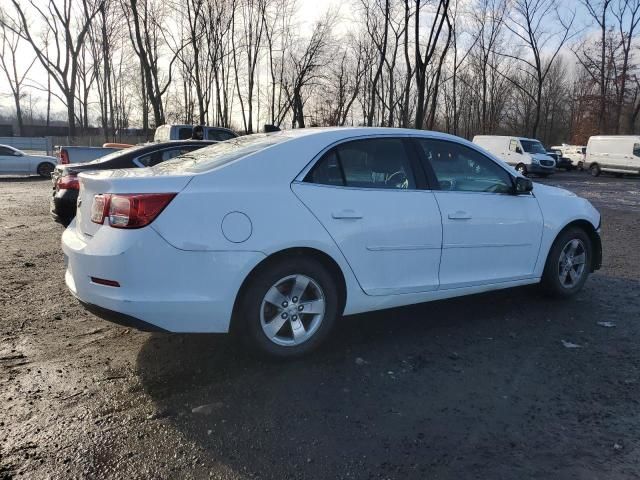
x=549, y=191
x=541, y=156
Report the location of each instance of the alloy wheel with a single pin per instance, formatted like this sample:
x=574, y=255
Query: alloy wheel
x=292, y=310
x=572, y=263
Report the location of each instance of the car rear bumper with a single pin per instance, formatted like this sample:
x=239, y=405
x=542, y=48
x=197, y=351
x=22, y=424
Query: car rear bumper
x=160, y=287
x=121, y=318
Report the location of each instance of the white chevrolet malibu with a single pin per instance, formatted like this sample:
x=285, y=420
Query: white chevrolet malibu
x=275, y=236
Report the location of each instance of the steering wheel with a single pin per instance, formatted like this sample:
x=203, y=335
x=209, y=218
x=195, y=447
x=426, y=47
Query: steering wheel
x=403, y=180
x=492, y=188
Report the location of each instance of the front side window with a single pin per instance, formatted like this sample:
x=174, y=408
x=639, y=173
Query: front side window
x=636, y=149
x=4, y=151
x=513, y=145
x=461, y=169
x=368, y=163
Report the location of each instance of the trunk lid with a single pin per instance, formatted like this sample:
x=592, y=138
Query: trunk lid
x=120, y=181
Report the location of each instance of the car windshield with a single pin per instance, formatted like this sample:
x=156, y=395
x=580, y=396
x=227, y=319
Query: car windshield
x=532, y=146
x=220, y=154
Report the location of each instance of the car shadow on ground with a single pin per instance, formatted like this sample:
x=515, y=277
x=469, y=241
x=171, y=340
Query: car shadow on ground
x=463, y=387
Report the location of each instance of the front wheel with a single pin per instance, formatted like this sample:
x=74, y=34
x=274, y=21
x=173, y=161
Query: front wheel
x=45, y=170
x=594, y=170
x=568, y=264
x=289, y=308
x=522, y=169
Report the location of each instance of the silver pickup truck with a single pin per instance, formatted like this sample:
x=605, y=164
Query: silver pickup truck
x=72, y=154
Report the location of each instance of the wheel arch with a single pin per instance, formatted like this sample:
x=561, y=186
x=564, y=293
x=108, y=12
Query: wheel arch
x=594, y=236
x=324, y=258
x=44, y=162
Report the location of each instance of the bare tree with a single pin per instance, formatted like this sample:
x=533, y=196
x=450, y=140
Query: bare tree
x=423, y=60
x=528, y=24
x=625, y=11
x=306, y=67
x=598, y=10
x=67, y=29
x=146, y=32
x=9, y=43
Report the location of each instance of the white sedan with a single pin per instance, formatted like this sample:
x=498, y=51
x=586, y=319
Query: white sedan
x=16, y=162
x=275, y=236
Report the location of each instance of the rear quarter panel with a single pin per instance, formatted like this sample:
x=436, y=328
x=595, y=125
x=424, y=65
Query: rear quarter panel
x=259, y=188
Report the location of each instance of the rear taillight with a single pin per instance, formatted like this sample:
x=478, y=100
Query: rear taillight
x=64, y=157
x=129, y=210
x=99, y=208
x=68, y=182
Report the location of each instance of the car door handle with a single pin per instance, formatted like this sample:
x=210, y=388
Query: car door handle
x=346, y=214
x=459, y=215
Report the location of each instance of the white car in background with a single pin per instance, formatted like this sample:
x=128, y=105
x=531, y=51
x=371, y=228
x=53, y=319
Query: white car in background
x=526, y=155
x=15, y=162
x=274, y=236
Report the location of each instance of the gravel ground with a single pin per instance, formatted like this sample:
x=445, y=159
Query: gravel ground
x=480, y=387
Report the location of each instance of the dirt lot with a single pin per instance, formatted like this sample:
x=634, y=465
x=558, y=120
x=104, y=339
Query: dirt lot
x=480, y=387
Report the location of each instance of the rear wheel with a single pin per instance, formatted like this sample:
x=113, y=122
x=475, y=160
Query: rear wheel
x=45, y=169
x=289, y=308
x=594, y=170
x=568, y=264
x=522, y=169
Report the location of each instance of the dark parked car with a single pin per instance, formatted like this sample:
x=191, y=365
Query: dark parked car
x=65, y=177
x=562, y=163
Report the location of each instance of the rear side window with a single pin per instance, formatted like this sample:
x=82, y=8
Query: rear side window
x=154, y=158
x=219, y=135
x=370, y=163
x=636, y=149
x=184, y=133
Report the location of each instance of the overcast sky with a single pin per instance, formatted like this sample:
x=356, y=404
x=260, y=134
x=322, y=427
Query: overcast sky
x=308, y=12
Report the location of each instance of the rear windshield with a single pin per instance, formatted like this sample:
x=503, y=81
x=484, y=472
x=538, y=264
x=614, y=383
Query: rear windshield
x=221, y=153
x=116, y=153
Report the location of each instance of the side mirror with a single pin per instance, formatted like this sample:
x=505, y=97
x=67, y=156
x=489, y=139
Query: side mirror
x=519, y=150
x=523, y=185
x=17, y=154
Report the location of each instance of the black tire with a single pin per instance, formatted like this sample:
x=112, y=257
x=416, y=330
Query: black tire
x=522, y=169
x=45, y=169
x=551, y=282
x=594, y=170
x=580, y=166
x=247, y=323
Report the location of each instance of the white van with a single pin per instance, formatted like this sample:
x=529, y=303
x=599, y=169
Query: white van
x=527, y=155
x=613, y=153
x=575, y=153
x=164, y=133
